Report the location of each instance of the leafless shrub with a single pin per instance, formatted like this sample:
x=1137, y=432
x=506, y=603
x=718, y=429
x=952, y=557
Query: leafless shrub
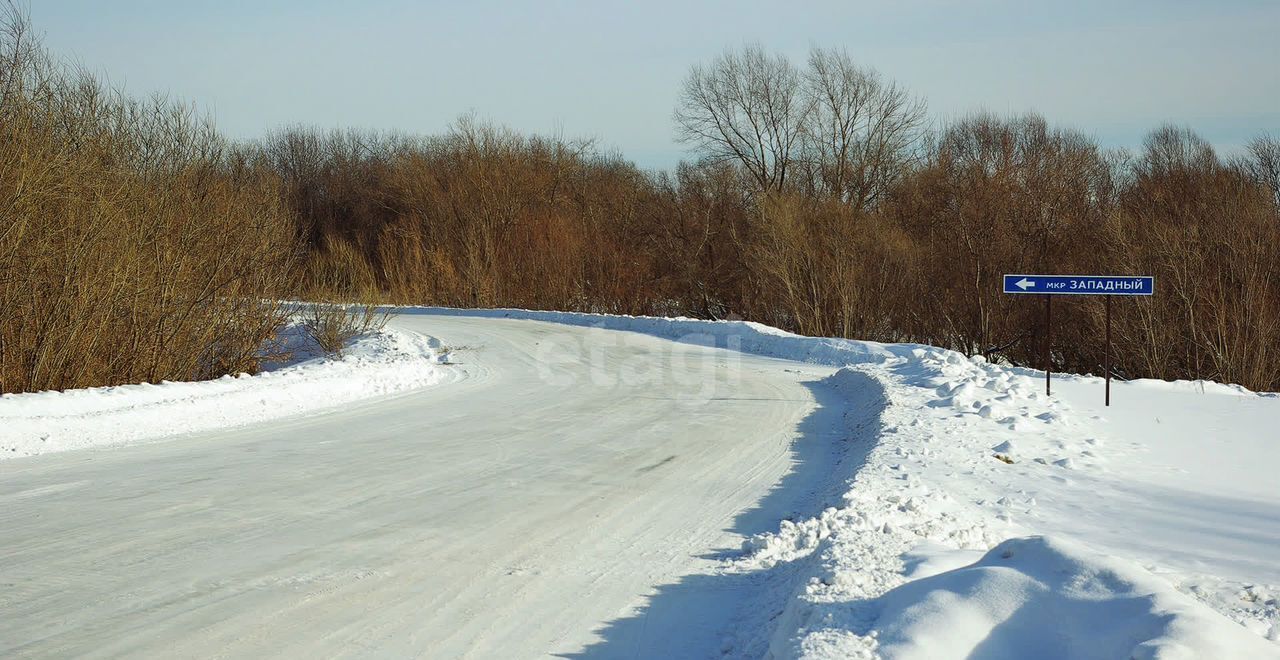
x=131, y=248
x=1211, y=235
x=820, y=204
x=333, y=326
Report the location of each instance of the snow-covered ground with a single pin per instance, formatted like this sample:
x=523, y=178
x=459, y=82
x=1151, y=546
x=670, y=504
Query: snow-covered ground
x=380, y=363
x=584, y=492
x=1149, y=529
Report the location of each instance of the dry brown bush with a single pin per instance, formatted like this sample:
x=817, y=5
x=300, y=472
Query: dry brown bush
x=824, y=269
x=1211, y=235
x=332, y=326
x=691, y=226
x=478, y=217
x=486, y=217
x=837, y=218
x=995, y=196
x=136, y=245
x=132, y=248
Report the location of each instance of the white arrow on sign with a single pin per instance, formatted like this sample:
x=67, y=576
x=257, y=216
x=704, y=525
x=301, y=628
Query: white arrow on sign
x=1025, y=284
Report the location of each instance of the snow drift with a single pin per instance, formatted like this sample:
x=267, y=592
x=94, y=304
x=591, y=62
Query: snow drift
x=745, y=336
x=377, y=364
x=1047, y=598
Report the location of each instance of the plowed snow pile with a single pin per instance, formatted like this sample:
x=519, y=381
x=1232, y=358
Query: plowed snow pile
x=1162, y=518
x=383, y=362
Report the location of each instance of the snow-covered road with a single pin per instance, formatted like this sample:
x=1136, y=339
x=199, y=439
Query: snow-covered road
x=555, y=479
x=581, y=485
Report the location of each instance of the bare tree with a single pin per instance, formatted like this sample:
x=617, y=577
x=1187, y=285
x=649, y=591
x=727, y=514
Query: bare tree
x=747, y=107
x=1263, y=163
x=1174, y=149
x=860, y=129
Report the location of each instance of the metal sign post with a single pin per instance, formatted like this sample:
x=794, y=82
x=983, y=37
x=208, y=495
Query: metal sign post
x=1106, y=356
x=1078, y=285
x=1048, y=343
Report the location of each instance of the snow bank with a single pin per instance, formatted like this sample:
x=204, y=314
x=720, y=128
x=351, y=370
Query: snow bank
x=933, y=492
x=745, y=336
x=971, y=456
x=381, y=363
x=1047, y=598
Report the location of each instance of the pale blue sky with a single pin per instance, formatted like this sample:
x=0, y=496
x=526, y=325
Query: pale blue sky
x=612, y=70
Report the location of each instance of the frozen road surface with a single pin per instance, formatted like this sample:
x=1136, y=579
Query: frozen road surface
x=554, y=480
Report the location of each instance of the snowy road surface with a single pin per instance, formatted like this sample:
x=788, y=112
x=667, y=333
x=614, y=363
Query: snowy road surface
x=557, y=478
x=561, y=489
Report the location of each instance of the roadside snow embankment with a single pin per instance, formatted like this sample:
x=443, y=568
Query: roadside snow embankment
x=1048, y=598
x=937, y=550
x=744, y=336
x=380, y=363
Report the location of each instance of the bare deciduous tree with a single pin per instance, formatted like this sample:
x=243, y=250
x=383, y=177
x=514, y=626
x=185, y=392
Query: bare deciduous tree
x=1172, y=149
x=1263, y=163
x=747, y=107
x=860, y=129
x=851, y=130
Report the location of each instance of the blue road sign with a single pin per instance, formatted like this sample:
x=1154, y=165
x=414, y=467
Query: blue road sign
x=1081, y=285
